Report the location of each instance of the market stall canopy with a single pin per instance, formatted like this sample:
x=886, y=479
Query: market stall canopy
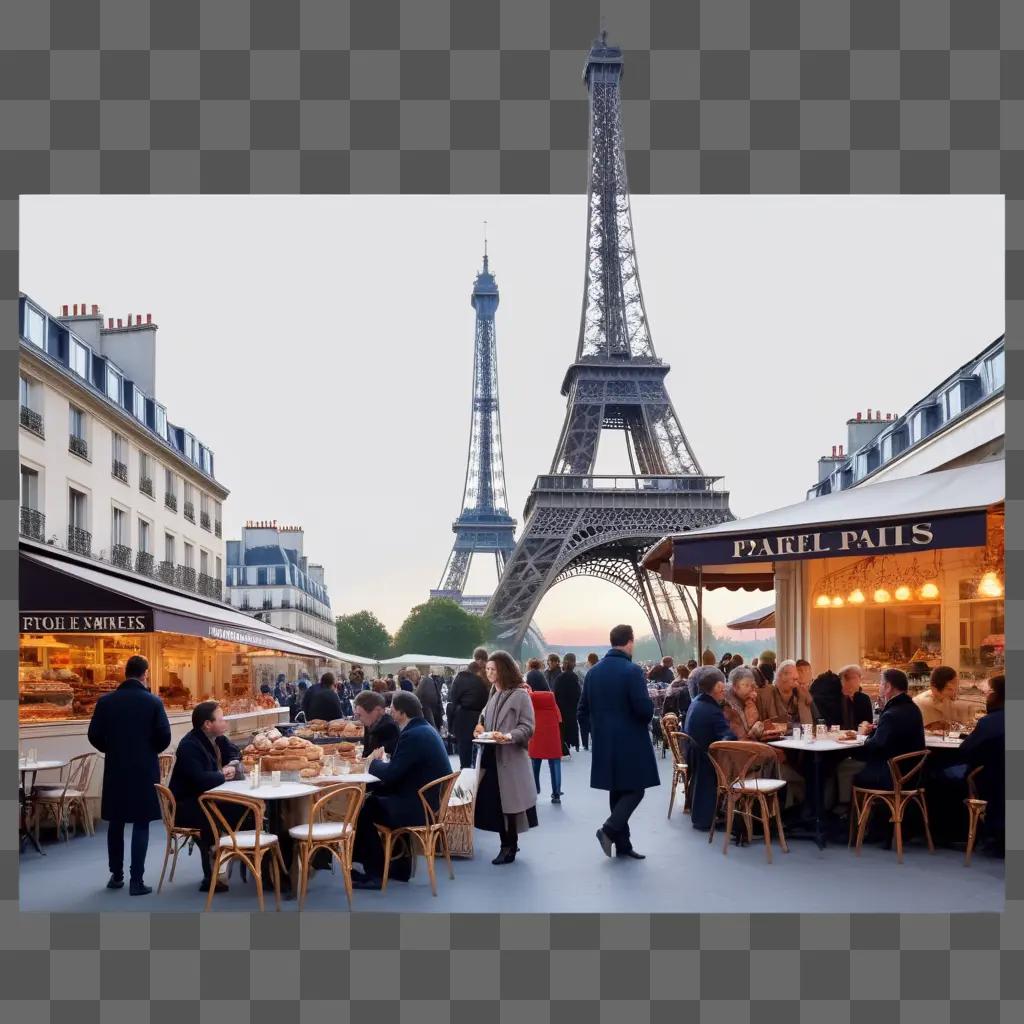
x=426, y=659
x=945, y=509
x=59, y=592
x=763, y=618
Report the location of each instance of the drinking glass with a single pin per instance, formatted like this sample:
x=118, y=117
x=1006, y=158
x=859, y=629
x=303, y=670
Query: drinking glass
x=796, y=733
x=955, y=729
x=344, y=768
x=833, y=729
x=32, y=755
x=275, y=778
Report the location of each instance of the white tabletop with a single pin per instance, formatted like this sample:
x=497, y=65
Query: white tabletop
x=40, y=766
x=329, y=780
x=266, y=791
x=825, y=746
x=942, y=744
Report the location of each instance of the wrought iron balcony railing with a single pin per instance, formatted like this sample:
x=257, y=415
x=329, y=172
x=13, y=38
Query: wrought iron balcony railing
x=210, y=586
x=79, y=541
x=146, y=485
x=121, y=556
x=216, y=527
x=32, y=524
x=204, y=520
x=185, y=577
x=31, y=420
x=165, y=573
x=78, y=446
x=144, y=563
x=171, y=501
x=120, y=470
x=190, y=511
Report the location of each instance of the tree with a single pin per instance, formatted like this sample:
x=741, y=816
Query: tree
x=440, y=626
x=364, y=634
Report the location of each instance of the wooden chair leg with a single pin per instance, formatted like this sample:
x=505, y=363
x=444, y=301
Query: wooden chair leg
x=766, y=826
x=730, y=810
x=257, y=876
x=672, y=793
x=303, y=872
x=747, y=807
x=973, y=816
x=386, y=838
x=214, y=875
x=345, y=861
x=897, y=824
x=714, y=815
x=777, y=810
x=923, y=804
x=447, y=854
x=853, y=815
x=277, y=881
x=429, y=851
x=167, y=853
x=863, y=815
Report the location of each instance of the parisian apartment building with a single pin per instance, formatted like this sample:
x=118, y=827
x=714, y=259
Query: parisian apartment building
x=270, y=577
x=104, y=472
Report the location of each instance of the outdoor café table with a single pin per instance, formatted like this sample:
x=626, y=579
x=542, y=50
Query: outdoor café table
x=274, y=796
x=26, y=769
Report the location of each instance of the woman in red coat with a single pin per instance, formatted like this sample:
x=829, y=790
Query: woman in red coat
x=546, y=742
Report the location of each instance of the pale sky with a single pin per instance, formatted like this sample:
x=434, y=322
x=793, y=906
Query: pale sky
x=322, y=346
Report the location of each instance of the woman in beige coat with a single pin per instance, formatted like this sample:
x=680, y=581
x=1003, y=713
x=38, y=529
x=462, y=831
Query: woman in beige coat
x=506, y=800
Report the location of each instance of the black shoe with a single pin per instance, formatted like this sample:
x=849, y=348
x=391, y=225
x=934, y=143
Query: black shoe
x=204, y=886
x=116, y=882
x=556, y=798
x=605, y=840
x=506, y=855
x=631, y=853
x=139, y=889
x=367, y=882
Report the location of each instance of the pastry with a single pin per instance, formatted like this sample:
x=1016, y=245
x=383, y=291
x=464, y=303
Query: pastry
x=273, y=734
x=281, y=744
x=309, y=773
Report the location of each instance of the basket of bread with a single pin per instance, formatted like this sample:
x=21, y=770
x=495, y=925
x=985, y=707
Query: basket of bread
x=277, y=753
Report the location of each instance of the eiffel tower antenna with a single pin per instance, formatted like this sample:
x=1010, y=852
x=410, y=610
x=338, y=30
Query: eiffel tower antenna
x=485, y=245
x=577, y=523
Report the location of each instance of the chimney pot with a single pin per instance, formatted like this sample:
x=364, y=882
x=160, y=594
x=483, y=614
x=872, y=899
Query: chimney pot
x=840, y=451
x=149, y=318
x=138, y=318
x=858, y=417
x=95, y=309
x=64, y=309
x=110, y=323
x=74, y=309
x=119, y=322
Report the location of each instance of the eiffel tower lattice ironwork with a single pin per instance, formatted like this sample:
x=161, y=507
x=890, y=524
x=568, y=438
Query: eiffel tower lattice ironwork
x=576, y=523
x=484, y=525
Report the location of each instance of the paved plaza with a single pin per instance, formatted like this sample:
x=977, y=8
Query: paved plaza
x=561, y=870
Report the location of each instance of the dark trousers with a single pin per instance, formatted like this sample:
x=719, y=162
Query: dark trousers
x=584, y=735
x=622, y=802
x=464, y=737
x=555, y=767
x=115, y=848
x=509, y=835
x=369, y=850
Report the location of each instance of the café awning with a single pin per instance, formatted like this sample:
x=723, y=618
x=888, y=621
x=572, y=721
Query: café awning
x=55, y=584
x=425, y=659
x=945, y=509
x=763, y=618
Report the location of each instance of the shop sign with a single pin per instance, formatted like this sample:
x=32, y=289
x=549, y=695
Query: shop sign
x=891, y=537
x=86, y=622
x=238, y=636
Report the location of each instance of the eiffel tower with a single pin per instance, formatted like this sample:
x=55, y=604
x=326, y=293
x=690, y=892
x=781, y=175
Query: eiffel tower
x=484, y=525
x=576, y=523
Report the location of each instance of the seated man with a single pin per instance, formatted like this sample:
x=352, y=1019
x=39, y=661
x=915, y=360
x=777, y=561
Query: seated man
x=380, y=728
x=705, y=724
x=939, y=704
x=202, y=762
x=986, y=748
x=900, y=730
x=419, y=758
x=853, y=710
x=786, y=700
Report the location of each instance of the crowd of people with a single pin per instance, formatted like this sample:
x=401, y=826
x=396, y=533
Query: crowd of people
x=510, y=722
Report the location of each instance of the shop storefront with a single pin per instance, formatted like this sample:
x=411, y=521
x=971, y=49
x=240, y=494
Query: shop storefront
x=907, y=573
x=80, y=622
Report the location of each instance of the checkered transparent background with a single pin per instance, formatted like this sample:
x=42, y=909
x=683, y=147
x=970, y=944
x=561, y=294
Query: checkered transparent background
x=481, y=96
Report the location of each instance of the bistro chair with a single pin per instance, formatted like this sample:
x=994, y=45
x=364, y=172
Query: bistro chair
x=975, y=813
x=739, y=768
x=678, y=742
x=68, y=800
x=177, y=836
x=166, y=767
x=903, y=769
x=667, y=723
x=337, y=836
x=231, y=843
x=427, y=835
x=461, y=813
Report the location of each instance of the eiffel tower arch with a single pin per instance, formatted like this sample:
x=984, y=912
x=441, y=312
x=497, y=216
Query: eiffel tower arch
x=577, y=523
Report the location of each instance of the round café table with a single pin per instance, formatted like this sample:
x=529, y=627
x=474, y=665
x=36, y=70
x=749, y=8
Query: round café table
x=26, y=769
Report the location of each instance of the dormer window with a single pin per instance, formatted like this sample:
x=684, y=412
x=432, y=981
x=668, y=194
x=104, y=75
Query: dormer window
x=79, y=359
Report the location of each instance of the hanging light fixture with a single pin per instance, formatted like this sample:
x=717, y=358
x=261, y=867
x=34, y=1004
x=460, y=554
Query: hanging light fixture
x=930, y=590
x=856, y=597
x=882, y=596
x=902, y=592
x=990, y=585
x=837, y=602
x=822, y=601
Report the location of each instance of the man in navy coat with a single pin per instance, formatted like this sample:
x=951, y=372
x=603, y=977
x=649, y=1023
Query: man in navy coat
x=705, y=724
x=900, y=730
x=616, y=709
x=130, y=727
x=419, y=758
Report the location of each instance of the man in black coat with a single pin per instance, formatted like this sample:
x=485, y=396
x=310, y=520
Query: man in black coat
x=419, y=758
x=900, y=730
x=662, y=674
x=705, y=723
x=130, y=728
x=617, y=710
x=202, y=762
x=468, y=698
x=428, y=690
x=322, y=700
x=381, y=731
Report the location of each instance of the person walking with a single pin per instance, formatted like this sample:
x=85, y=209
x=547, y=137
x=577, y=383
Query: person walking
x=584, y=728
x=617, y=710
x=468, y=697
x=567, y=695
x=506, y=800
x=553, y=671
x=129, y=727
x=546, y=742
x=428, y=689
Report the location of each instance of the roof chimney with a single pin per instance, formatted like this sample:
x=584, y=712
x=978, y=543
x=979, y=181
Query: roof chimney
x=149, y=318
x=119, y=324
x=74, y=309
x=64, y=309
x=840, y=450
x=95, y=309
x=110, y=323
x=858, y=417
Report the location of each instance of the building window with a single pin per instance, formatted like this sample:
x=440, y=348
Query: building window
x=204, y=562
x=279, y=576
x=160, y=420
x=77, y=443
x=32, y=521
x=220, y=568
x=217, y=522
x=29, y=488
x=261, y=577
x=79, y=359
x=139, y=403
x=119, y=457
x=146, y=474
x=114, y=384
x=118, y=527
x=144, y=536
x=189, y=503
x=188, y=555
x=79, y=538
x=204, y=511
x=31, y=413
x=35, y=326
x=954, y=401
x=206, y=460
x=995, y=369
x=169, y=548
x=170, y=490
